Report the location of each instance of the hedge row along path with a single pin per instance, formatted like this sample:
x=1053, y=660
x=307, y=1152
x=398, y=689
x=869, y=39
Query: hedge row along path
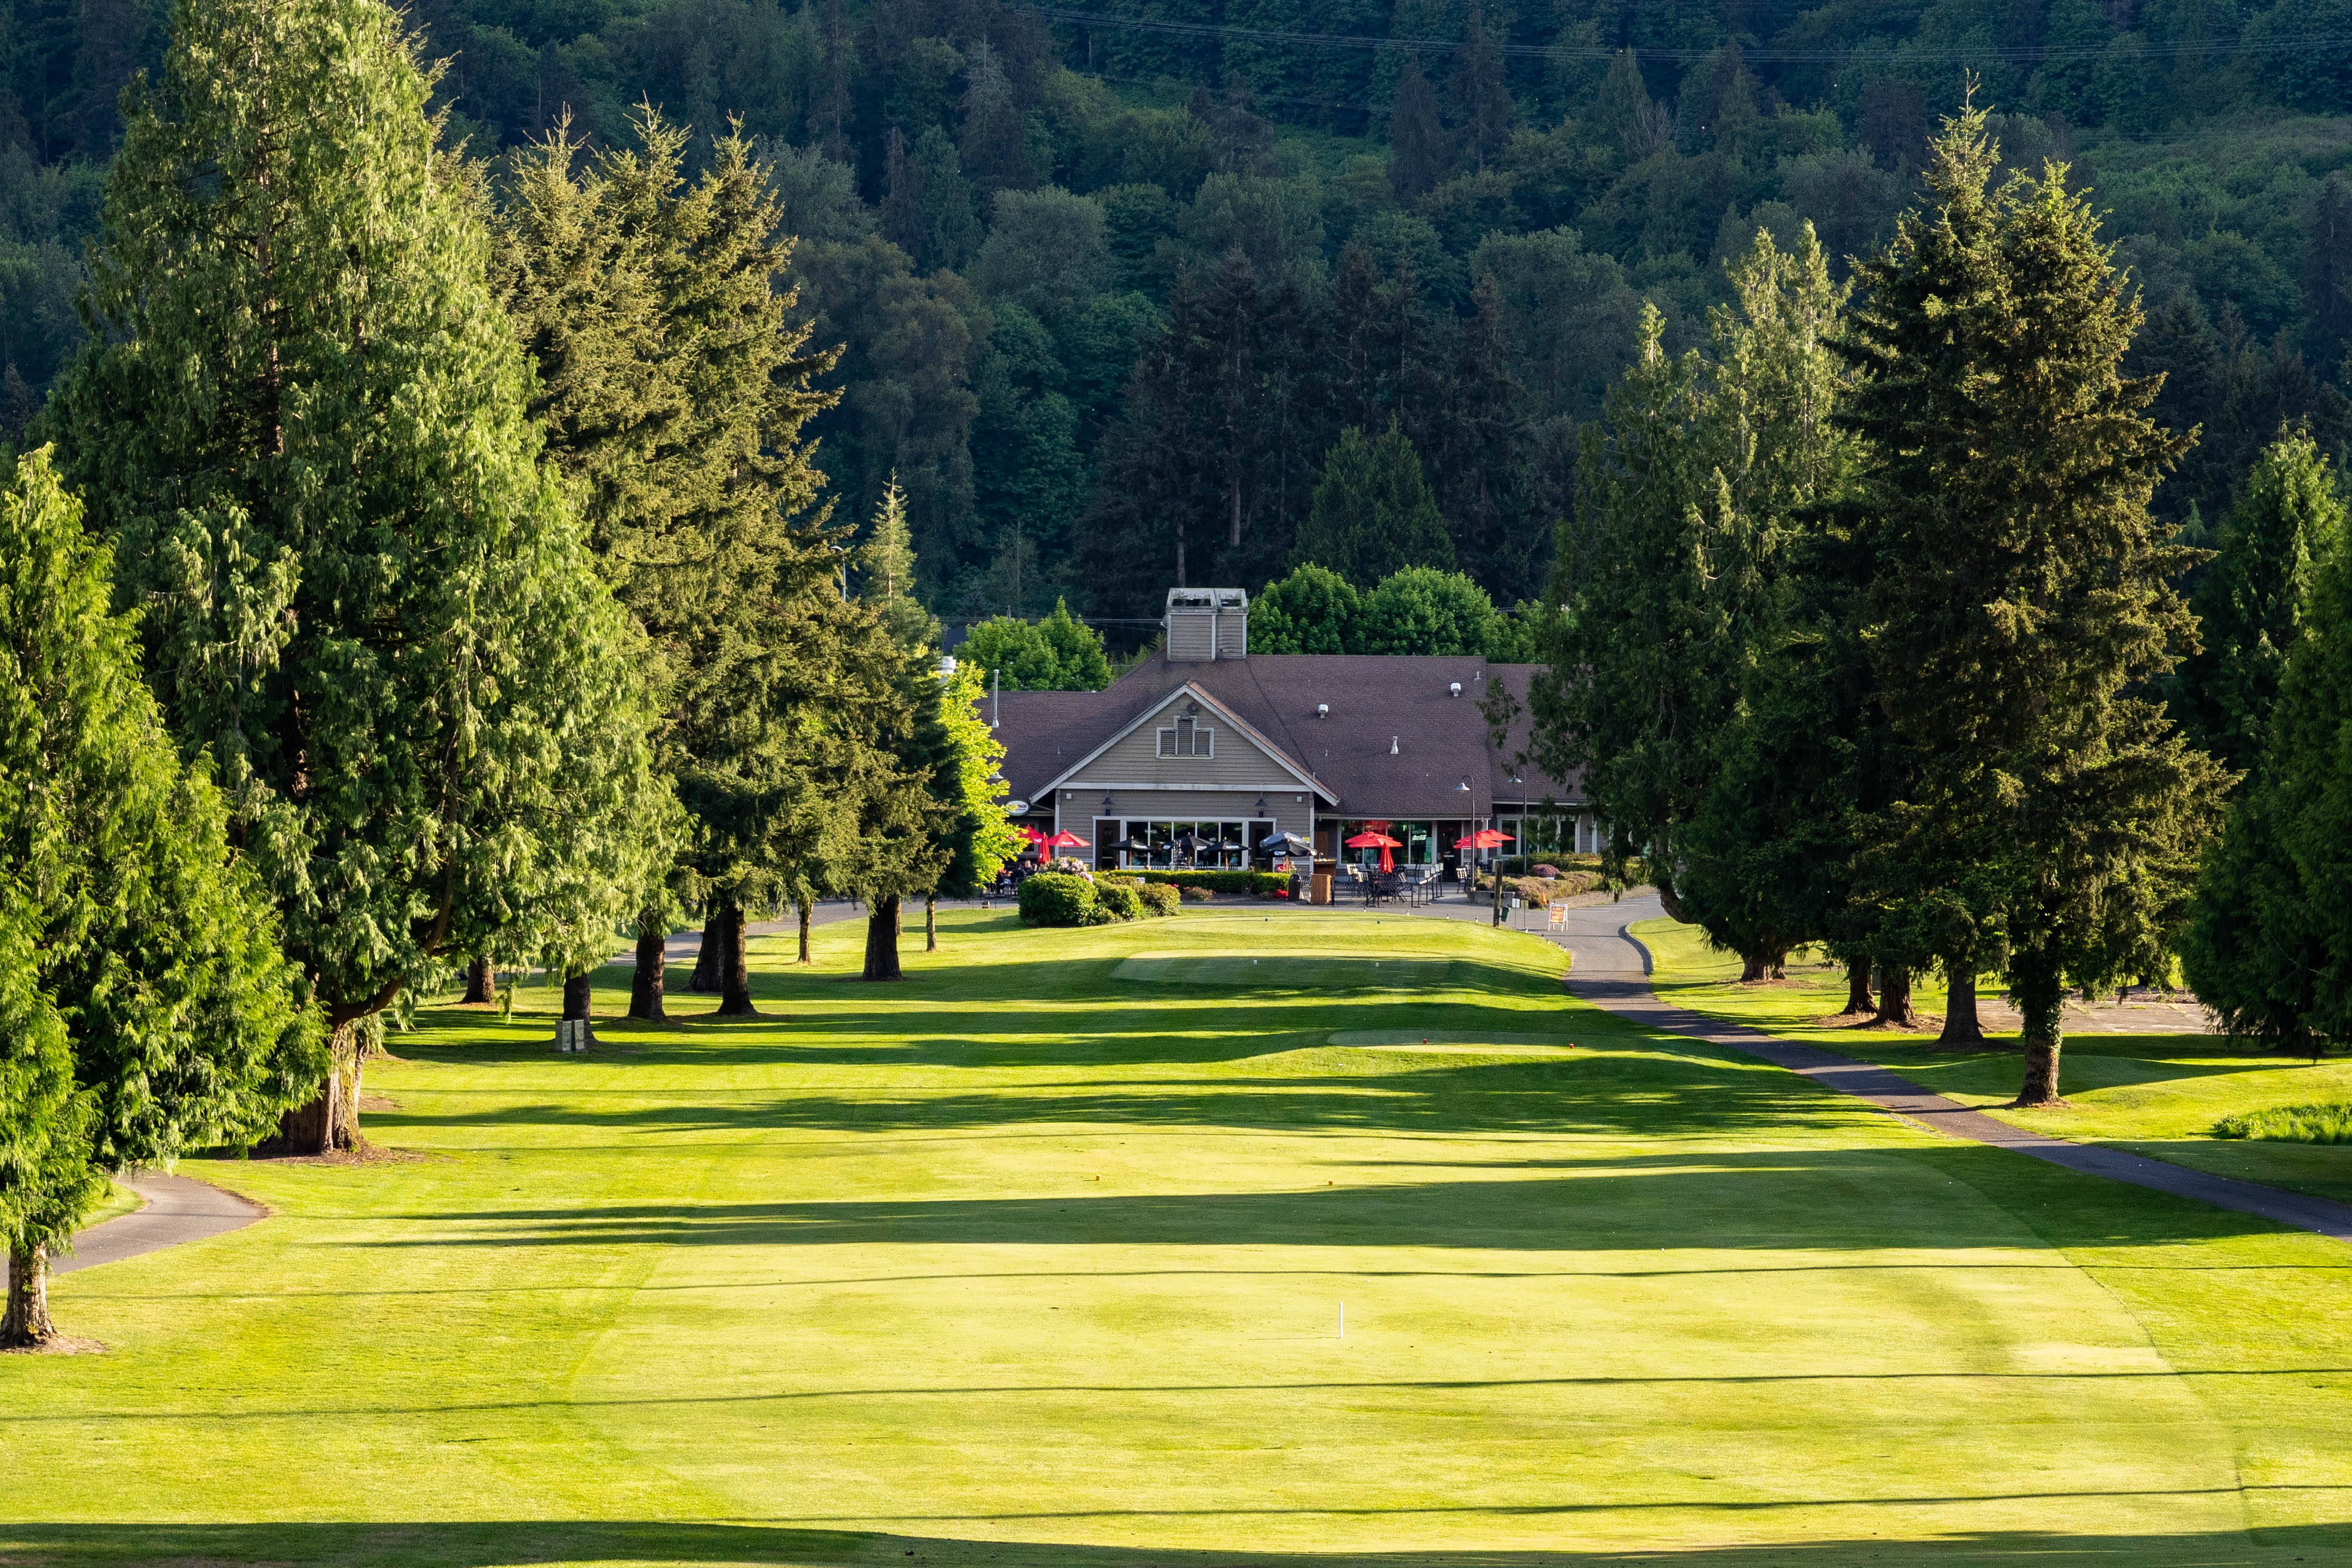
x=1612, y=971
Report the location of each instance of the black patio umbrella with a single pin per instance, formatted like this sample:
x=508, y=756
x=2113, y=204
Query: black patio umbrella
x=1137, y=846
x=1190, y=844
x=1286, y=844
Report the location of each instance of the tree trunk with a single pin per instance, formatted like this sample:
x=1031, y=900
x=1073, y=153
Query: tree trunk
x=578, y=1004
x=930, y=922
x=1961, y=1026
x=1857, y=989
x=1668, y=899
x=898, y=918
x=330, y=1121
x=709, y=955
x=1753, y=967
x=481, y=983
x=651, y=976
x=1894, y=1008
x=28, y=1320
x=2041, y=1002
x=735, y=971
x=1779, y=964
x=882, y=939
x=805, y=912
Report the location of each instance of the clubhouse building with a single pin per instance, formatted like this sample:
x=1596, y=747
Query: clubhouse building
x=1207, y=739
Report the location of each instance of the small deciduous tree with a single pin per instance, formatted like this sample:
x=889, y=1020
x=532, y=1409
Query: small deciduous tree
x=144, y=1006
x=1313, y=610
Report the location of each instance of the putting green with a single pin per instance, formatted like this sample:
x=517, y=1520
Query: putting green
x=1021, y=1262
x=1281, y=972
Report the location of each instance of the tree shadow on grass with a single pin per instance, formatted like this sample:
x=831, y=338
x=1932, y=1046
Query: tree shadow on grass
x=1595, y=1094
x=496, y=1544
x=1798, y=1201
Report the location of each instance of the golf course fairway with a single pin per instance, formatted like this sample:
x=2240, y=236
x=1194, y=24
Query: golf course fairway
x=1040, y=1256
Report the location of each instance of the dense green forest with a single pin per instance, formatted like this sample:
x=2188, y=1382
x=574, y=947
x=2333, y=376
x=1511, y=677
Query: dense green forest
x=1109, y=285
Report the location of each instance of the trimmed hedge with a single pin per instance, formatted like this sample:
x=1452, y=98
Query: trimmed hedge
x=1160, y=901
x=1120, y=900
x=1054, y=899
x=1263, y=883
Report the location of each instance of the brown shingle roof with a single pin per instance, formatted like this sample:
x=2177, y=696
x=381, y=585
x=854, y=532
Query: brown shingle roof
x=1441, y=741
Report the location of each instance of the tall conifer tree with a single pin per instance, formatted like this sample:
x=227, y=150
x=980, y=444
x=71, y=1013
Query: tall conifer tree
x=144, y=1006
x=305, y=426
x=2251, y=600
x=674, y=391
x=2021, y=596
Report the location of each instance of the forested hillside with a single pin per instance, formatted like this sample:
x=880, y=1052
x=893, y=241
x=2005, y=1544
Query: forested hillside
x=1109, y=287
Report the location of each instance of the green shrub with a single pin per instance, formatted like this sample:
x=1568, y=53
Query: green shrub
x=1052, y=899
x=1118, y=899
x=1159, y=900
x=1265, y=884
x=2290, y=1124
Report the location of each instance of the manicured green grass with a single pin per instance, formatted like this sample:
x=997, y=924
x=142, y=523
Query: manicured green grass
x=1021, y=1262
x=2160, y=1095
x=119, y=1201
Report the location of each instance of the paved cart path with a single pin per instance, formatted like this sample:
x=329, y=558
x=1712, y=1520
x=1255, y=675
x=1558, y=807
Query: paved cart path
x=1611, y=969
x=178, y=1210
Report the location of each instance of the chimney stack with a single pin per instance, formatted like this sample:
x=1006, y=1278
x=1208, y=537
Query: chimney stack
x=1204, y=624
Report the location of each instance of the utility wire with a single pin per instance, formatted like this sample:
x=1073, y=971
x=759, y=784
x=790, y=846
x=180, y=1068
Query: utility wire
x=2034, y=54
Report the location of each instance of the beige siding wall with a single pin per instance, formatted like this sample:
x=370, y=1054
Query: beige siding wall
x=1078, y=808
x=1137, y=760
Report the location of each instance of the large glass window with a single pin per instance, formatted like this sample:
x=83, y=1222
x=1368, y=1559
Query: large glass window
x=1206, y=845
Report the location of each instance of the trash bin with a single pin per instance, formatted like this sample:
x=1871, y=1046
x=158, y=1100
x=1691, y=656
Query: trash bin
x=1302, y=887
x=1322, y=888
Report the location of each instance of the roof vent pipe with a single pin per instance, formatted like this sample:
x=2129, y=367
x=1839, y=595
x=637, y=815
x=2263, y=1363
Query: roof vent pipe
x=1454, y=690
x=1322, y=711
x=1392, y=751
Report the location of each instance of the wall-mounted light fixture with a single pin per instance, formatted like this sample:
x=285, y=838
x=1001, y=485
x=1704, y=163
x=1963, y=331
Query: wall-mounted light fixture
x=1461, y=788
x=1105, y=810
x=1260, y=807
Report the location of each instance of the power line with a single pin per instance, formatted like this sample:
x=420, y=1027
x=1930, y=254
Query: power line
x=2035, y=54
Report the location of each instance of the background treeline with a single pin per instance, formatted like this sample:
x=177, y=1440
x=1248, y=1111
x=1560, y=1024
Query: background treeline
x=1111, y=290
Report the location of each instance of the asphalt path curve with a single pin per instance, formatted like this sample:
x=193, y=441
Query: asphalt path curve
x=1610, y=969
x=178, y=1210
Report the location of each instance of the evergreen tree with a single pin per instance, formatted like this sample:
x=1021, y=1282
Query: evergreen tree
x=144, y=1006
x=1479, y=96
x=1313, y=610
x=1785, y=751
x=2022, y=596
x=2269, y=943
x=674, y=390
x=2328, y=273
x=1638, y=685
x=1372, y=513
x=1420, y=156
x=357, y=587
x=2251, y=600
x=889, y=560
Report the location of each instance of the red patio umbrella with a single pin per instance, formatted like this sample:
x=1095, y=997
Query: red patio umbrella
x=1484, y=838
x=1066, y=840
x=1380, y=841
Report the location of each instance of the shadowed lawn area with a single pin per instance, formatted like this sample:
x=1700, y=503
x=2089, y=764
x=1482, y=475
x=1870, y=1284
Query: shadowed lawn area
x=2158, y=1095
x=1025, y=1262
